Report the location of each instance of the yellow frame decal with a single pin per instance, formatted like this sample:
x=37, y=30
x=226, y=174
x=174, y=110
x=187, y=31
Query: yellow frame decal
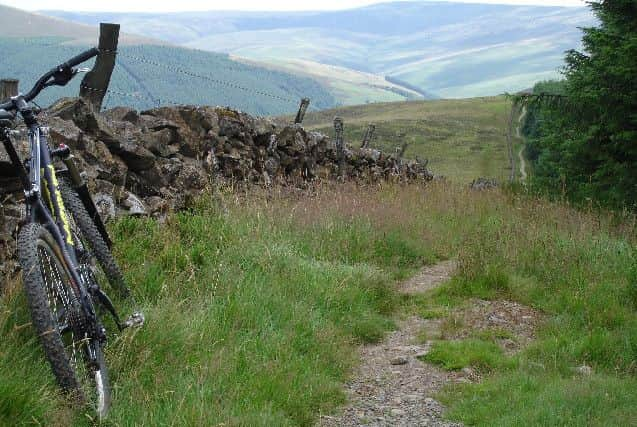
x=63, y=215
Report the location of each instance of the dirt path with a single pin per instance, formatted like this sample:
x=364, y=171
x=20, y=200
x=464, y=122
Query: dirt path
x=518, y=133
x=522, y=164
x=392, y=386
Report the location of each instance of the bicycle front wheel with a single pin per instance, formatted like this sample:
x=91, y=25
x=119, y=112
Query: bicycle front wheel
x=88, y=231
x=76, y=358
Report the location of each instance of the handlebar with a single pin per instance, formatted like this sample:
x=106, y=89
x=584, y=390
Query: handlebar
x=82, y=57
x=61, y=75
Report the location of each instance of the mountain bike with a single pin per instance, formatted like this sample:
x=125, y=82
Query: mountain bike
x=64, y=252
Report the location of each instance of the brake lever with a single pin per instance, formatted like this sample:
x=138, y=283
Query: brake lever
x=62, y=76
x=82, y=70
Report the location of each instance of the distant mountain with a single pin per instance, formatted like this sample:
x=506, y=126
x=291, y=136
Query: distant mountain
x=150, y=73
x=18, y=23
x=448, y=49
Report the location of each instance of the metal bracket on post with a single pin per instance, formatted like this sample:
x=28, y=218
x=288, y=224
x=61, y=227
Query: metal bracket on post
x=369, y=135
x=95, y=83
x=340, y=144
x=8, y=88
x=300, y=115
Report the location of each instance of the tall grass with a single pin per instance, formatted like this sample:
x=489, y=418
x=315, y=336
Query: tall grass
x=257, y=301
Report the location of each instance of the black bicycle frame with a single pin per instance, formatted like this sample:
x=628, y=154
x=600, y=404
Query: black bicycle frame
x=41, y=186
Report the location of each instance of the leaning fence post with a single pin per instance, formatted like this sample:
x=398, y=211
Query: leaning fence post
x=8, y=88
x=95, y=83
x=340, y=144
x=369, y=135
x=403, y=148
x=300, y=115
x=400, y=152
x=513, y=173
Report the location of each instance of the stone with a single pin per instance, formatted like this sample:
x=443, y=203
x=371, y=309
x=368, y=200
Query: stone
x=161, y=142
x=584, y=370
x=469, y=372
x=135, y=206
x=400, y=360
x=136, y=157
x=482, y=184
x=105, y=205
x=422, y=354
x=122, y=114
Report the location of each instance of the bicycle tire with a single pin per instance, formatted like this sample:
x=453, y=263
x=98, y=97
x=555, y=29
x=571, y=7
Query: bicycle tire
x=98, y=246
x=37, y=249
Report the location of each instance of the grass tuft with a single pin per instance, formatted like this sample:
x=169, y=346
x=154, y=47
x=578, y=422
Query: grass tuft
x=476, y=353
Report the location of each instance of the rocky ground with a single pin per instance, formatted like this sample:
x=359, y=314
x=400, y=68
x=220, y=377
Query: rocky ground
x=394, y=387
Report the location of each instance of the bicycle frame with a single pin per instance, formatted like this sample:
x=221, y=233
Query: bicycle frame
x=44, y=204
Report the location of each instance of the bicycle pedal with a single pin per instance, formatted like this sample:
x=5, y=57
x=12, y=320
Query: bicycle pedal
x=136, y=320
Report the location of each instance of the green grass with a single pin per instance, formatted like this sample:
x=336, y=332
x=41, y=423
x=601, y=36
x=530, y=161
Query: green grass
x=251, y=318
x=463, y=139
x=256, y=304
x=455, y=355
x=521, y=398
x=578, y=268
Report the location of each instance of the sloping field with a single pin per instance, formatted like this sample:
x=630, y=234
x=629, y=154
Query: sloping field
x=463, y=139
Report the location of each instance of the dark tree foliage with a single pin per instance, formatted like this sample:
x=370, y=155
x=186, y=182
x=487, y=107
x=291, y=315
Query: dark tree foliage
x=586, y=146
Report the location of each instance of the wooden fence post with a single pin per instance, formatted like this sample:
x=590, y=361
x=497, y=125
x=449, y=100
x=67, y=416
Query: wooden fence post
x=95, y=83
x=369, y=135
x=8, y=88
x=300, y=115
x=513, y=172
x=340, y=144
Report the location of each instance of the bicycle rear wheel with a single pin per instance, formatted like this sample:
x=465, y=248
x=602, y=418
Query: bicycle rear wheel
x=76, y=358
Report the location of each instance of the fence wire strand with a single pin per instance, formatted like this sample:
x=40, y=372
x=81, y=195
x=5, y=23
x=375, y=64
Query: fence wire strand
x=174, y=68
x=206, y=78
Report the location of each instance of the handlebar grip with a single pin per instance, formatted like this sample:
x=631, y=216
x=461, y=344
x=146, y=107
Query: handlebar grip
x=82, y=57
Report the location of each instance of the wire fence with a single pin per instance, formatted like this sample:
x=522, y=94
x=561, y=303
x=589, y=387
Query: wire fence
x=206, y=78
x=158, y=101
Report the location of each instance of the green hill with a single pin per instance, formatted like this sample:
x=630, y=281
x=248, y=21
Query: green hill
x=148, y=72
x=450, y=49
x=159, y=79
x=463, y=139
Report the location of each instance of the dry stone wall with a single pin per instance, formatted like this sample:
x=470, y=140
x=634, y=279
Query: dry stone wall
x=152, y=162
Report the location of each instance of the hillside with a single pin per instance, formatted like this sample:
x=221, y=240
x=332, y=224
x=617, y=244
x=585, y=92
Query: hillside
x=348, y=86
x=463, y=139
x=147, y=76
x=18, y=23
x=452, y=50
x=150, y=73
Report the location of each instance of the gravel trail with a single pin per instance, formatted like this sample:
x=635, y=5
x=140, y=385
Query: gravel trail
x=392, y=387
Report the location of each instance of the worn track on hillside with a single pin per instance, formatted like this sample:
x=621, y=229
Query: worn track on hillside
x=393, y=387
